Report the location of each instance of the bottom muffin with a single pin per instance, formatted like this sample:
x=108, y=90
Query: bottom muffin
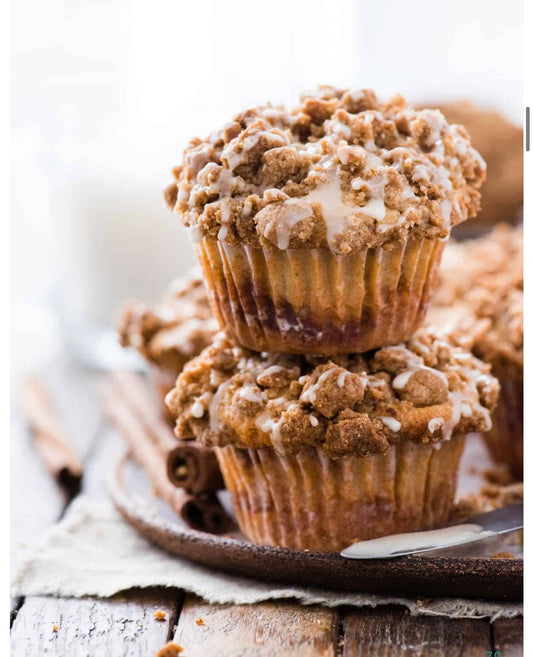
x=319, y=452
x=309, y=501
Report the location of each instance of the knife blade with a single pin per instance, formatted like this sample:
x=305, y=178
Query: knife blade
x=477, y=528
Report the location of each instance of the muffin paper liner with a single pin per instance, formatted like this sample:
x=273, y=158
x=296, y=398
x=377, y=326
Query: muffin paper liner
x=314, y=301
x=506, y=438
x=309, y=501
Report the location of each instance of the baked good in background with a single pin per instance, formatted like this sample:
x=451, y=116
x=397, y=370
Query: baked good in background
x=480, y=300
x=167, y=334
x=318, y=452
x=500, y=143
x=320, y=228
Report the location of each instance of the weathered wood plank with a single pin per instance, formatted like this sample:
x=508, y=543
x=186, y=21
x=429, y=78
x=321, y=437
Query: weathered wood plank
x=393, y=632
x=122, y=626
x=272, y=628
x=508, y=636
x=36, y=500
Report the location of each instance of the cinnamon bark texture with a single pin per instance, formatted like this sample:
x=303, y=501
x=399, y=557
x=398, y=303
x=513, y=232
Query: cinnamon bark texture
x=50, y=439
x=149, y=442
x=194, y=468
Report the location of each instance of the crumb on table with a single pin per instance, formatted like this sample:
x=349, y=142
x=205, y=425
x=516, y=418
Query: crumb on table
x=159, y=615
x=170, y=649
x=55, y=628
x=200, y=621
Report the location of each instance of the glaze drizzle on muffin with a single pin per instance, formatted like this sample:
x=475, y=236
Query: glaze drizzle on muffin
x=339, y=171
x=425, y=390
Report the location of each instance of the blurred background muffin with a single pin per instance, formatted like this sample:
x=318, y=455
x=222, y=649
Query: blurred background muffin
x=480, y=299
x=170, y=332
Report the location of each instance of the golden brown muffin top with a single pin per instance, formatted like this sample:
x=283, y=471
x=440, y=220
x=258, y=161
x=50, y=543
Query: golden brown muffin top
x=500, y=143
x=424, y=390
x=480, y=298
x=174, y=330
x=340, y=171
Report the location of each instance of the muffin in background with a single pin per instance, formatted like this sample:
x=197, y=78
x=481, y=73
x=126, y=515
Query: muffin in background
x=500, y=143
x=480, y=299
x=170, y=332
x=319, y=452
x=320, y=228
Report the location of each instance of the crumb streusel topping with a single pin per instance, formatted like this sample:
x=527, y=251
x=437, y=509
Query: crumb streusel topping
x=425, y=390
x=480, y=297
x=174, y=330
x=339, y=171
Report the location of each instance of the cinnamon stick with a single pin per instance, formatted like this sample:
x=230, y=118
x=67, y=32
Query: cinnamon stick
x=204, y=511
x=50, y=440
x=137, y=394
x=194, y=468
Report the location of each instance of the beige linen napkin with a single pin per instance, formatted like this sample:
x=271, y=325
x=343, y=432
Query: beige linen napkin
x=93, y=551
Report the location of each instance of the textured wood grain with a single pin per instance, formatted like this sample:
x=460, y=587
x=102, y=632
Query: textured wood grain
x=282, y=629
x=36, y=500
x=118, y=627
x=508, y=636
x=393, y=632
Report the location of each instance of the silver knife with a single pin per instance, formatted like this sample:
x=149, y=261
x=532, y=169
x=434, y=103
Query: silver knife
x=485, y=525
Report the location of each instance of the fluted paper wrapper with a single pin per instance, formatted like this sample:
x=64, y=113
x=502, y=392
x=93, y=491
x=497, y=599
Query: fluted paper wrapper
x=310, y=501
x=314, y=301
x=506, y=438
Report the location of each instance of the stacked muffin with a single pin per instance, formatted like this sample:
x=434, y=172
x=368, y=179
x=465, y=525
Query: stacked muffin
x=320, y=231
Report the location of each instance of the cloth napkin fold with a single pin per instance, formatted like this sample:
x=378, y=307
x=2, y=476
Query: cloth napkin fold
x=94, y=552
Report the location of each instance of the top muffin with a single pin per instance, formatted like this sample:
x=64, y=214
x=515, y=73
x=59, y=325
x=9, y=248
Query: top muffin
x=340, y=171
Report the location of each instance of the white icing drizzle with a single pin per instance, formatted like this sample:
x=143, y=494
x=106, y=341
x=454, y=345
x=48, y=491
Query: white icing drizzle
x=197, y=409
x=195, y=234
x=391, y=423
x=251, y=395
x=273, y=369
x=313, y=420
x=342, y=378
x=214, y=423
x=309, y=395
x=435, y=423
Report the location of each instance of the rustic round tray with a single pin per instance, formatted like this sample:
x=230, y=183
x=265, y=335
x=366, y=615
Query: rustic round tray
x=414, y=576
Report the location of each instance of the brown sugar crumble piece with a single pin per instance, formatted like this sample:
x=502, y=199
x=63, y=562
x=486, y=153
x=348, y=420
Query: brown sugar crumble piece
x=200, y=621
x=503, y=555
x=170, y=649
x=160, y=615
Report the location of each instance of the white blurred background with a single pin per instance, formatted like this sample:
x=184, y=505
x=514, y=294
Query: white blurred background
x=106, y=93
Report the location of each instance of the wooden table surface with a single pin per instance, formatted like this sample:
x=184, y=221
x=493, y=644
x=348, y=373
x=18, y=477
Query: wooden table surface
x=125, y=624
